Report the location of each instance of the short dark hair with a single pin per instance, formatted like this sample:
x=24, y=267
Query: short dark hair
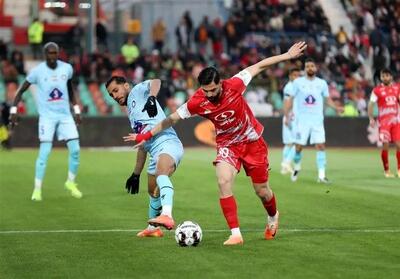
x=117, y=79
x=309, y=60
x=386, y=71
x=208, y=75
x=294, y=70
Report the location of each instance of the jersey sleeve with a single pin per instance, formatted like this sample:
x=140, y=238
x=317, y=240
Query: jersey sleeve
x=70, y=71
x=287, y=90
x=373, y=98
x=292, y=90
x=184, y=111
x=32, y=76
x=143, y=89
x=244, y=76
x=325, y=89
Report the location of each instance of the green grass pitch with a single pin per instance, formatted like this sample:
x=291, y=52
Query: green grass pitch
x=352, y=231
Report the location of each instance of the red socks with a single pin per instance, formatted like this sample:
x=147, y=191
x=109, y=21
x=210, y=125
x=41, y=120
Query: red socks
x=229, y=208
x=385, y=159
x=270, y=206
x=398, y=159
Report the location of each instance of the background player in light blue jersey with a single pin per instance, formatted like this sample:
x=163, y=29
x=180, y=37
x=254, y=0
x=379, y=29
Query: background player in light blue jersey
x=165, y=149
x=54, y=95
x=307, y=96
x=287, y=130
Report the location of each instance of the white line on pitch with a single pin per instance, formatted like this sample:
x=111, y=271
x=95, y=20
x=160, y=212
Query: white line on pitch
x=316, y=230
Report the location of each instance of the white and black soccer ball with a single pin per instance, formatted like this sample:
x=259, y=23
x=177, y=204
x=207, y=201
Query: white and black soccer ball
x=188, y=233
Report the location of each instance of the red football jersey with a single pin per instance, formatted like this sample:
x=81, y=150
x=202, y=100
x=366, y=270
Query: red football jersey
x=233, y=120
x=387, y=98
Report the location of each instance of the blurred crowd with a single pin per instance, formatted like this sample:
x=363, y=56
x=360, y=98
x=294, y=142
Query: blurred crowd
x=255, y=29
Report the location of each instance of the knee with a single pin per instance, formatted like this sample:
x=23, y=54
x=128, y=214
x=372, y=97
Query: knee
x=261, y=192
x=223, y=181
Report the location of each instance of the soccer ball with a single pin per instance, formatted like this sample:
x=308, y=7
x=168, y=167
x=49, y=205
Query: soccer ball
x=188, y=233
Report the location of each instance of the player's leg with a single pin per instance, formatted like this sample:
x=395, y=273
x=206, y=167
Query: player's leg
x=398, y=157
x=67, y=131
x=46, y=134
x=302, y=132
x=256, y=165
x=168, y=159
x=318, y=138
x=288, y=150
x=385, y=160
x=154, y=208
x=226, y=174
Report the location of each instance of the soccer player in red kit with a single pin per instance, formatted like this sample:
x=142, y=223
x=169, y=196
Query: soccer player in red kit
x=387, y=97
x=238, y=136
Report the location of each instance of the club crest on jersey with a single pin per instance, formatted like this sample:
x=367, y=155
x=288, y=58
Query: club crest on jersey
x=133, y=104
x=55, y=95
x=310, y=100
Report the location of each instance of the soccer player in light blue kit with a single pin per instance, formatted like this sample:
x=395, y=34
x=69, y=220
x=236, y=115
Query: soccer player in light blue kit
x=287, y=130
x=307, y=96
x=53, y=80
x=165, y=149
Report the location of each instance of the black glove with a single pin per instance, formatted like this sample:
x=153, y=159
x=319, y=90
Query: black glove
x=151, y=106
x=132, y=184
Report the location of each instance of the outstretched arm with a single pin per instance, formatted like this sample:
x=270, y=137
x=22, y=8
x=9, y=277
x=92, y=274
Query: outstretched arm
x=18, y=97
x=165, y=124
x=294, y=51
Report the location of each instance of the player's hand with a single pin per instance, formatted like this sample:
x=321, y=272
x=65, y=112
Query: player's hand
x=132, y=184
x=286, y=121
x=138, y=137
x=78, y=119
x=151, y=106
x=297, y=50
x=339, y=110
x=372, y=122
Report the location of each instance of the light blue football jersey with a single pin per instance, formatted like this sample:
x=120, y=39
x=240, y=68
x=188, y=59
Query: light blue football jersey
x=140, y=120
x=286, y=92
x=52, y=98
x=309, y=98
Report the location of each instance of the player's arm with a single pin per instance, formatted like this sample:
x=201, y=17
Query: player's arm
x=72, y=99
x=287, y=107
x=372, y=100
x=151, y=105
x=294, y=51
x=17, y=99
x=168, y=122
x=132, y=183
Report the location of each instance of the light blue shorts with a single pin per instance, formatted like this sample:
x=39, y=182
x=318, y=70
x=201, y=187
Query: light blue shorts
x=172, y=147
x=287, y=132
x=305, y=130
x=65, y=128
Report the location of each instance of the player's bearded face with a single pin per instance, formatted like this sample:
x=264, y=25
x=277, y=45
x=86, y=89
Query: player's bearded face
x=311, y=69
x=51, y=57
x=119, y=92
x=386, y=78
x=212, y=91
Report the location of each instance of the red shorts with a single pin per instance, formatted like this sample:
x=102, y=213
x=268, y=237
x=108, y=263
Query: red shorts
x=253, y=156
x=389, y=132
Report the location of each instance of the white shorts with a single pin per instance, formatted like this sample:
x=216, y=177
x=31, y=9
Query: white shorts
x=309, y=130
x=287, y=132
x=64, y=126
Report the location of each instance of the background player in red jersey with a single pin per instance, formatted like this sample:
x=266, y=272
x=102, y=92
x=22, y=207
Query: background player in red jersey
x=238, y=136
x=387, y=97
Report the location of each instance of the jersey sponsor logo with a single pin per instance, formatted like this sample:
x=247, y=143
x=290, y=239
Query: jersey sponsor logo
x=391, y=100
x=310, y=100
x=55, y=95
x=138, y=127
x=225, y=117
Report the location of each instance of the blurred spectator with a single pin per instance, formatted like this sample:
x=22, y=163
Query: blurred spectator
x=76, y=35
x=9, y=72
x=189, y=28
x=130, y=52
x=3, y=50
x=230, y=34
x=17, y=59
x=35, y=37
x=101, y=36
x=158, y=33
x=201, y=36
x=341, y=37
x=216, y=38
